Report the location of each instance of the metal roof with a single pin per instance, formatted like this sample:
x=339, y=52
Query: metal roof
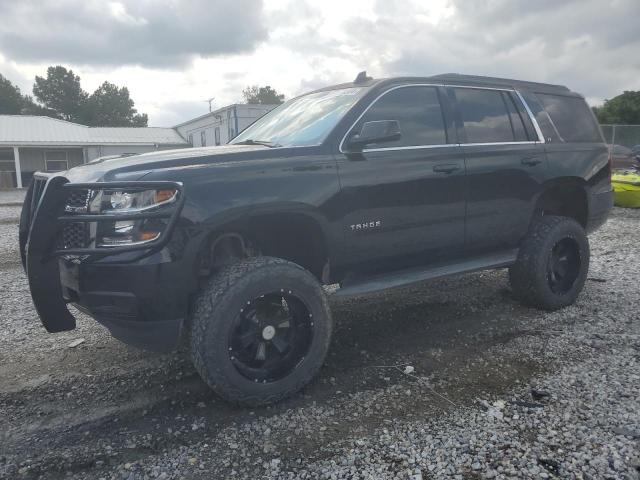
x=37, y=130
x=228, y=107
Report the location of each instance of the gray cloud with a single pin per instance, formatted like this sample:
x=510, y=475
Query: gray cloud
x=161, y=33
x=174, y=113
x=586, y=44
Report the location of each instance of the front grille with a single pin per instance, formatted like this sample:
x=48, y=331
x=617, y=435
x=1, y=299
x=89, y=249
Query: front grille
x=77, y=201
x=75, y=234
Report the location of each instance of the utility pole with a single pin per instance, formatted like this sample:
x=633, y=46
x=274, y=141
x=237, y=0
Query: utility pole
x=210, y=100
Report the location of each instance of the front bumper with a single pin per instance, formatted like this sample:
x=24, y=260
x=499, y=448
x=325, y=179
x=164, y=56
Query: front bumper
x=140, y=303
x=137, y=297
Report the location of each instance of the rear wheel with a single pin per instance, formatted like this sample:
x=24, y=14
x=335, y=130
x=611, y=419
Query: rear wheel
x=552, y=265
x=261, y=330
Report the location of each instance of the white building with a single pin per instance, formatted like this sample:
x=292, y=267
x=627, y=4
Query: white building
x=31, y=143
x=220, y=126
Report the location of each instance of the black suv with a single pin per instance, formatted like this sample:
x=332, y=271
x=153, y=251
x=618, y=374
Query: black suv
x=371, y=184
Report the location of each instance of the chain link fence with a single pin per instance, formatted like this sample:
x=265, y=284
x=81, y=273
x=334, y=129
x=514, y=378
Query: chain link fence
x=625, y=135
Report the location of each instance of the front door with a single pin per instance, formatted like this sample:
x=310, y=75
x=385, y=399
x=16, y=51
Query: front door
x=506, y=166
x=403, y=202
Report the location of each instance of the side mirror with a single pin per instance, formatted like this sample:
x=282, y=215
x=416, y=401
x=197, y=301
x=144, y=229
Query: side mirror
x=378, y=131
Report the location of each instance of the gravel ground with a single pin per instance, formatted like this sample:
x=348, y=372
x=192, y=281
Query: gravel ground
x=450, y=379
x=13, y=196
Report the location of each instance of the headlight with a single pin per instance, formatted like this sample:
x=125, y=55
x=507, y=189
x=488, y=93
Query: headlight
x=129, y=232
x=121, y=201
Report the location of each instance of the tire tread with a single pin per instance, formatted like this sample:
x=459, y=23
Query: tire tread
x=204, y=310
x=526, y=285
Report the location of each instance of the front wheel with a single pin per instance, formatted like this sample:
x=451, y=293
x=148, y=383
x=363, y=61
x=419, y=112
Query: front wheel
x=552, y=264
x=261, y=330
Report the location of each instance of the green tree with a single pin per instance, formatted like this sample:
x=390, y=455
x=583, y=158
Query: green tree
x=62, y=95
x=32, y=108
x=11, y=100
x=623, y=109
x=110, y=106
x=263, y=95
x=61, y=92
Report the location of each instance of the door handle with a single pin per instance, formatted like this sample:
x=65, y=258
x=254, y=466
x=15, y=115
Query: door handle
x=446, y=168
x=531, y=161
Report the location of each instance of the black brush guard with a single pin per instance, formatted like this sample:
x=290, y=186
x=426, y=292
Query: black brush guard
x=41, y=221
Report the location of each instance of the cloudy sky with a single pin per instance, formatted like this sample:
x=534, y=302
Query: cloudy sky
x=175, y=54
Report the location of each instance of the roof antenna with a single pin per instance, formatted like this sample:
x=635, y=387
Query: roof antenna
x=362, y=77
x=210, y=100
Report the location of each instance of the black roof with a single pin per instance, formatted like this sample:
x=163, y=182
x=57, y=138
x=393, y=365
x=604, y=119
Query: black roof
x=459, y=79
x=498, y=82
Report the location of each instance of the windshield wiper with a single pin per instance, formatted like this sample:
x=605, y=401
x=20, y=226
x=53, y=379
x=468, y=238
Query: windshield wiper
x=266, y=143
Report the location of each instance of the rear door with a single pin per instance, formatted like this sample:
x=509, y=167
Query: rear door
x=506, y=166
x=402, y=202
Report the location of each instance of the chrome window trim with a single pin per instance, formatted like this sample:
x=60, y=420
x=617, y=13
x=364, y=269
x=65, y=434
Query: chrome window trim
x=541, y=138
x=536, y=126
x=527, y=142
x=409, y=147
x=420, y=147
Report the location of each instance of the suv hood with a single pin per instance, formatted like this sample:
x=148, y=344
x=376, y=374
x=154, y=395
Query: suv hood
x=134, y=167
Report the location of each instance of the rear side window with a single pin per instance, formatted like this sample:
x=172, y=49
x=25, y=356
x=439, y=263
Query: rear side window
x=572, y=118
x=417, y=110
x=522, y=127
x=524, y=117
x=485, y=116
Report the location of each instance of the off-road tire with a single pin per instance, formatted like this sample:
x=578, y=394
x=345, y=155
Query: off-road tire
x=216, y=307
x=529, y=277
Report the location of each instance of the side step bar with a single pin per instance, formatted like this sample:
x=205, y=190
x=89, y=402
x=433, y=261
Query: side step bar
x=373, y=283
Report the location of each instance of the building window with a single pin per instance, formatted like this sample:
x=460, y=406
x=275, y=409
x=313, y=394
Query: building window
x=191, y=139
x=56, y=160
x=217, y=135
x=7, y=163
x=203, y=138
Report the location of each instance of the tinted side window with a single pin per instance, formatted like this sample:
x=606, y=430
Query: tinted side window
x=519, y=131
x=524, y=116
x=417, y=110
x=571, y=117
x=484, y=115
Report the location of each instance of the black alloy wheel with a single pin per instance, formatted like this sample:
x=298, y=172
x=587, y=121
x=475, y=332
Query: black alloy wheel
x=552, y=263
x=260, y=330
x=271, y=336
x=563, y=266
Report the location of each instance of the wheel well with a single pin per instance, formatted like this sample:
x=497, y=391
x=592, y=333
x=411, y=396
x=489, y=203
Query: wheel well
x=294, y=237
x=566, y=200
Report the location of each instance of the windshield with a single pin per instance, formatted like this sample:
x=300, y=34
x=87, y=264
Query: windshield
x=303, y=121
